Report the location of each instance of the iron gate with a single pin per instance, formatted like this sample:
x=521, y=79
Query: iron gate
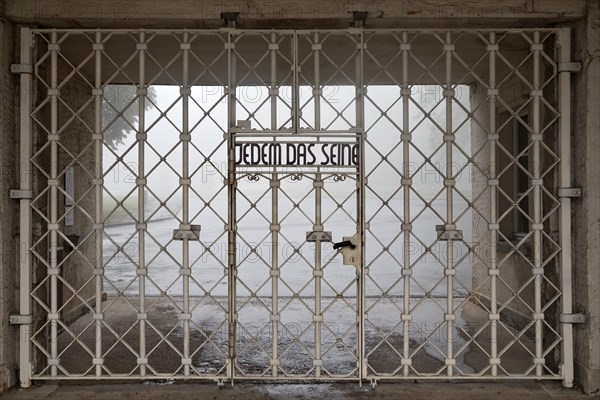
x=350, y=204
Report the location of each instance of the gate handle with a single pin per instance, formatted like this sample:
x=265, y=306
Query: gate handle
x=345, y=243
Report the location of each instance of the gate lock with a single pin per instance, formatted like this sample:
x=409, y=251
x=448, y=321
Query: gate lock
x=349, y=251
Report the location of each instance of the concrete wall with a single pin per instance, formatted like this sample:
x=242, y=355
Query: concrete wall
x=586, y=222
x=8, y=208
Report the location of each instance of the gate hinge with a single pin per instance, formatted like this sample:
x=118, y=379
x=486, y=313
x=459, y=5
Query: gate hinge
x=569, y=67
x=572, y=318
x=17, y=319
x=569, y=192
x=21, y=69
x=19, y=194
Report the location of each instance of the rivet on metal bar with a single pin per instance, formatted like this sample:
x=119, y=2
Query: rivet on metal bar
x=318, y=274
x=97, y=92
x=539, y=361
x=229, y=46
x=406, y=137
x=535, y=93
x=185, y=91
x=536, y=182
x=406, y=361
x=572, y=318
x=493, y=272
x=53, y=92
x=185, y=46
x=53, y=47
x=185, y=136
x=185, y=271
x=98, y=271
x=186, y=361
x=537, y=316
x=141, y=91
x=54, y=361
x=449, y=138
x=318, y=184
x=99, y=181
x=494, y=361
x=185, y=316
x=98, y=316
x=273, y=46
x=53, y=227
x=317, y=46
x=142, y=361
x=185, y=181
x=405, y=46
x=493, y=182
x=274, y=183
x=141, y=226
x=229, y=91
x=97, y=361
x=53, y=271
x=449, y=317
x=141, y=46
x=450, y=361
x=98, y=227
x=406, y=227
x=449, y=272
x=405, y=91
x=140, y=181
x=274, y=362
x=274, y=318
x=274, y=227
x=406, y=317
x=317, y=318
x=97, y=136
x=448, y=47
x=537, y=227
x=141, y=136
x=317, y=92
x=494, y=317
x=275, y=273
x=492, y=47
x=273, y=92
x=142, y=316
x=493, y=136
x=493, y=92
x=537, y=137
x=407, y=271
x=406, y=181
x=569, y=67
x=54, y=316
x=318, y=363
x=537, y=47
x=53, y=137
x=494, y=227
x=97, y=46
x=537, y=271
x=141, y=271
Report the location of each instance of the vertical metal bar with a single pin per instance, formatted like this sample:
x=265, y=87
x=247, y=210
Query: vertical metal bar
x=406, y=137
x=449, y=183
x=231, y=196
x=317, y=80
x=26, y=82
x=295, y=85
x=493, y=271
x=141, y=184
x=274, y=224
x=564, y=147
x=185, y=194
x=360, y=201
x=318, y=227
x=53, y=226
x=537, y=207
x=98, y=173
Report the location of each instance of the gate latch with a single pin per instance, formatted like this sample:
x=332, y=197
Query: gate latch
x=17, y=319
x=349, y=251
x=572, y=318
x=569, y=192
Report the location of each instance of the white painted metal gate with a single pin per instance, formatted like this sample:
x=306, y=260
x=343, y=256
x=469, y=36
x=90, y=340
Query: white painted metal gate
x=348, y=204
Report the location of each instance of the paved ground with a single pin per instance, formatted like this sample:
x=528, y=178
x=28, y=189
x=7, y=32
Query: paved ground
x=384, y=391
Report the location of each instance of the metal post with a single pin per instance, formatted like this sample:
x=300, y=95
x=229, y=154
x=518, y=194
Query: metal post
x=406, y=137
x=564, y=147
x=141, y=184
x=185, y=194
x=98, y=173
x=231, y=197
x=537, y=207
x=25, y=365
x=449, y=183
x=295, y=85
x=494, y=227
x=318, y=273
x=360, y=201
x=53, y=138
x=317, y=81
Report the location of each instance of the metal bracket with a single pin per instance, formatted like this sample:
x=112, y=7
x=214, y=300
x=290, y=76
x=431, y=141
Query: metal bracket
x=572, y=318
x=318, y=236
x=448, y=232
x=569, y=67
x=17, y=319
x=18, y=194
x=191, y=234
x=569, y=192
x=244, y=124
x=21, y=68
